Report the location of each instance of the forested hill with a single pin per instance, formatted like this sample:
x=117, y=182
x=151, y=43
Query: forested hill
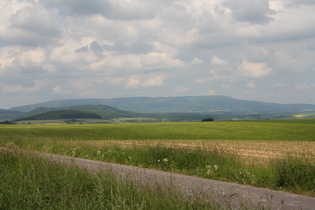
x=63, y=114
x=85, y=111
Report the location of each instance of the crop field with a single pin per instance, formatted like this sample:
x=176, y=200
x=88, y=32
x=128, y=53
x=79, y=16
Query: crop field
x=286, y=130
x=275, y=154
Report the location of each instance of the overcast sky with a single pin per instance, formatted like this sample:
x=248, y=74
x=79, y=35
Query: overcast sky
x=247, y=49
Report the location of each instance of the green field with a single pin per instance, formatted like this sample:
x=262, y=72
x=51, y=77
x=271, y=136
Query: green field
x=279, y=154
x=280, y=130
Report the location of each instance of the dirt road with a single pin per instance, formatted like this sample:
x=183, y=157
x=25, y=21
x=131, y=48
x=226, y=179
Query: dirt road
x=235, y=193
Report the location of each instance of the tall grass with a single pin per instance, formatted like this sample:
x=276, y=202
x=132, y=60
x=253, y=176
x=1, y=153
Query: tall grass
x=294, y=174
x=27, y=182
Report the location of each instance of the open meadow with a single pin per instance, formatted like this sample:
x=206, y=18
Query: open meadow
x=278, y=154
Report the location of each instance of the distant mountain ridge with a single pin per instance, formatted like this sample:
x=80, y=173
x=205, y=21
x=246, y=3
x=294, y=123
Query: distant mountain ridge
x=208, y=104
x=185, y=108
x=8, y=114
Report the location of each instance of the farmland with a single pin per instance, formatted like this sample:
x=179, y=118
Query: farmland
x=273, y=154
x=269, y=130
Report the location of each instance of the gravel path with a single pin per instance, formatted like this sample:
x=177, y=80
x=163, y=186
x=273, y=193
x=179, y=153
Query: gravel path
x=223, y=191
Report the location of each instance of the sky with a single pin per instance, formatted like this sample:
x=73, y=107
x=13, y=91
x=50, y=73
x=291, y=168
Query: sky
x=247, y=49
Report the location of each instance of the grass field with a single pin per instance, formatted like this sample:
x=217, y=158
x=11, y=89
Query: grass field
x=286, y=130
x=273, y=154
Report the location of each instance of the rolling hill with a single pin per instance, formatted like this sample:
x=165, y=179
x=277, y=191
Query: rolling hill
x=209, y=104
x=9, y=114
x=63, y=114
x=188, y=108
x=86, y=111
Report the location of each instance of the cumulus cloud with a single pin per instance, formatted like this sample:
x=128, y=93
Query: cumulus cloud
x=36, y=20
x=137, y=47
x=216, y=61
x=254, y=70
x=112, y=9
x=115, y=48
x=138, y=81
x=256, y=12
x=30, y=25
x=211, y=78
x=153, y=82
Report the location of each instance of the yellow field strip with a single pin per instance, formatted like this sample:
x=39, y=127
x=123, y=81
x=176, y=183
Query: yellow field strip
x=249, y=149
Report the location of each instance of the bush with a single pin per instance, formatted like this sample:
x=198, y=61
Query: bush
x=207, y=119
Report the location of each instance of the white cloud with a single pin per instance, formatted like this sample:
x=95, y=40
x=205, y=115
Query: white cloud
x=211, y=78
x=216, y=61
x=114, y=48
x=153, y=82
x=254, y=70
x=32, y=58
x=196, y=61
x=138, y=81
x=29, y=24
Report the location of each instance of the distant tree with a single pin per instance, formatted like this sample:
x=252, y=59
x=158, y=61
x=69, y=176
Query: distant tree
x=207, y=119
x=6, y=122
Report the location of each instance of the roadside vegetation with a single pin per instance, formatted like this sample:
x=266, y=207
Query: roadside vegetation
x=28, y=182
x=293, y=171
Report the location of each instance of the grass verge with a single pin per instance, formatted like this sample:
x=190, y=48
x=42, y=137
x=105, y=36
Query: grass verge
x=27, y=182
x=293, y=173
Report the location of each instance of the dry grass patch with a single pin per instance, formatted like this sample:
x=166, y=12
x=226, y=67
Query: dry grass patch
x=251, y=150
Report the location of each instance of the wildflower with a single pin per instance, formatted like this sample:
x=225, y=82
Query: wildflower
x=211, y=168
x=253, y=165
x=98, y=152
x=208, y=172
x=165, y=160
